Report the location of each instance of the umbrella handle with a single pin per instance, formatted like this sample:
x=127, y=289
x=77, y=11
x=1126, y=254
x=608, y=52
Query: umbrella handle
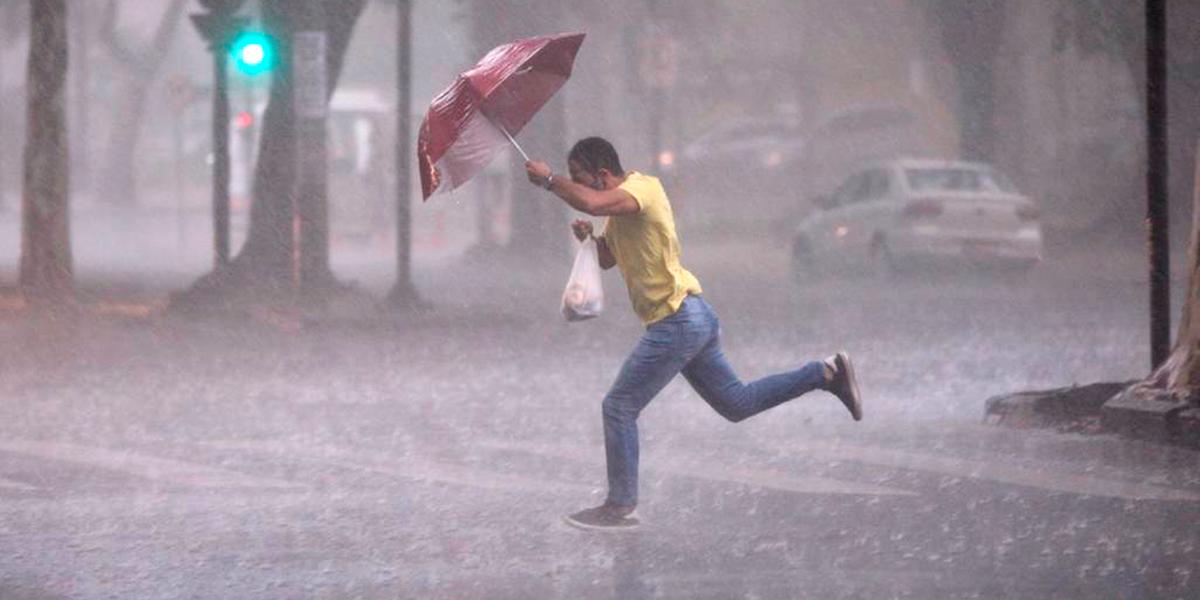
x=510, y=138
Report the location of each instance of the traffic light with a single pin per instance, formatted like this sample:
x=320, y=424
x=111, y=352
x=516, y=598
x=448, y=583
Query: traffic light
x=244, y=120
x=253, y=53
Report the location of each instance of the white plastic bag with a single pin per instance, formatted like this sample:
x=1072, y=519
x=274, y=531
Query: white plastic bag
x=584, y=297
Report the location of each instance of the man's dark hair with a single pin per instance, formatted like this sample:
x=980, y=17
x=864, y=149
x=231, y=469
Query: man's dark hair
x=595, y=153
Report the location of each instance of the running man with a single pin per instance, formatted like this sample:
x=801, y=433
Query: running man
x=682, y=331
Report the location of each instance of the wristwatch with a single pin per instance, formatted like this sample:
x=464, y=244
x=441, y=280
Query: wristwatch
x=549, y=181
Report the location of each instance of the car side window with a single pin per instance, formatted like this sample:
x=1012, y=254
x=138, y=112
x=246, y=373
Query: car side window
x=848, y=192
x=859, y=188
x=876, y=185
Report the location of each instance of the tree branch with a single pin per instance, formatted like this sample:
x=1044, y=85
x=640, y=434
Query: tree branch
x=108, y=35
x=147, y=61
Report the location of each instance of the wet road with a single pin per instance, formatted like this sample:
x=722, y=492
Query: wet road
x=433, y=456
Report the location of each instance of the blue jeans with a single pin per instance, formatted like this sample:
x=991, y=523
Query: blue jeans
x=688, y=341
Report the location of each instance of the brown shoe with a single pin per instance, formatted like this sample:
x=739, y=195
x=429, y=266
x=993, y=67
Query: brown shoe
x=844, y=385
x=606, y=517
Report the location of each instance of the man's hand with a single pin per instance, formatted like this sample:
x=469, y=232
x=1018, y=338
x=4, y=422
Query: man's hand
x=537, y=171
x=582, y=229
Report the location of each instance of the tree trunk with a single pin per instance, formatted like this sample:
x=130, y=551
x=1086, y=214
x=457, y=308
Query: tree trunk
x=119, y=184
x=45, y=271
x=264, y=265
x=1183, y=75
x=1179, y=375
x=538, y=223
x=13, y=21
x=81, y=101
x=970, y=33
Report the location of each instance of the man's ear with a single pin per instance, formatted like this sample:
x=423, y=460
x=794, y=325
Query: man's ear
x=598, y=182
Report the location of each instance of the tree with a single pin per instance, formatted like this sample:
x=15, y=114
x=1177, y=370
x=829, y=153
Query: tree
x=537, y=224
x=46, y=270
x=1179, y=375
x=82, y=34
x=970, y=34
x=1177, y=379
x=118, y=182
x=1104, y=27
x=12, y=28
x=1115, y=29
x=263, y=268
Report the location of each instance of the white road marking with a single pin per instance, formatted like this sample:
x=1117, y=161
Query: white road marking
x=992, y=471
x=764, y=478
x=407, y=466
x=146, y=467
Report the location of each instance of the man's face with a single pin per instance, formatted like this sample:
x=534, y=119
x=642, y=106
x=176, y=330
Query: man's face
x=583, y=177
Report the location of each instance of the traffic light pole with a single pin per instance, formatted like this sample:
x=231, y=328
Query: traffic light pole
x=403, y=293
x=217, y=27
x=220, y=132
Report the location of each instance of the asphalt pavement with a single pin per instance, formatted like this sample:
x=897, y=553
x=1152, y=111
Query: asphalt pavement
x=433, y=455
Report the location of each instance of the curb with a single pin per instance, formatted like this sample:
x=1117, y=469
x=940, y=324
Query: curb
x=1075, y=408
x=1109, y=407
x=1152, y=415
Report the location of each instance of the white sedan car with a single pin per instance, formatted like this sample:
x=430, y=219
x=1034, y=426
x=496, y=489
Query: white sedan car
x=906, y=212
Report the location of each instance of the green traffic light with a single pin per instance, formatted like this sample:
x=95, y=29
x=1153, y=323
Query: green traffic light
x=253, y=53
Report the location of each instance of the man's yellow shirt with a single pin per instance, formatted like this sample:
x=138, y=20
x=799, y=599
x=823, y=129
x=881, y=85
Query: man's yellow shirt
x=646, y=249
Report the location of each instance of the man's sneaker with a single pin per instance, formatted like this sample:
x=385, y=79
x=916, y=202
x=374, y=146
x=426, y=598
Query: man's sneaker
x=606, y=517
x=845, y=386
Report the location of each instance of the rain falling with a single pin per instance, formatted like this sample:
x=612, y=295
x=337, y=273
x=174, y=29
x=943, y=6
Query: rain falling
x=754, y=299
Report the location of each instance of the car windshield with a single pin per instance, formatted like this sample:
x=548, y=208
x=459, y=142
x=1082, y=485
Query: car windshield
x=957, y=179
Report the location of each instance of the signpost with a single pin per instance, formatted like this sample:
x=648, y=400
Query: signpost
x=1156, y=182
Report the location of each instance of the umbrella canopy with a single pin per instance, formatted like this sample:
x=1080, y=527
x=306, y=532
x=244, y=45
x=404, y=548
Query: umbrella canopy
x=469, y=121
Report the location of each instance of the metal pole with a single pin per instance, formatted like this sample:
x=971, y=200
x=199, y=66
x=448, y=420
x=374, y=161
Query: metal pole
x=1156, y=182
x=177, y=152
x=216, y=27
x=3, y=136
x=220, y=157
x=656, y=91
x=510, y=138
x=403, y=292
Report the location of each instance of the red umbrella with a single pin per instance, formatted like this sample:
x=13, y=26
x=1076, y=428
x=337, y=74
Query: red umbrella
x=470, y=120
